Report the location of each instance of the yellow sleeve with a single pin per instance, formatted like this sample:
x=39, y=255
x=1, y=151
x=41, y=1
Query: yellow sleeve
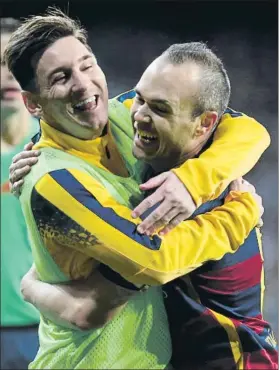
x=76, y=205
x=238, y=143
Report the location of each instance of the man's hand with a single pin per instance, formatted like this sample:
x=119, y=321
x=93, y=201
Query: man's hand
x=83, y=304
x=175, y=204
x=21, y=166
x=244, y=186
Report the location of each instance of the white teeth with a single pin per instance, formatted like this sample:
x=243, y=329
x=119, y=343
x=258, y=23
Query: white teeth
x=147, y=136
x=88, y=100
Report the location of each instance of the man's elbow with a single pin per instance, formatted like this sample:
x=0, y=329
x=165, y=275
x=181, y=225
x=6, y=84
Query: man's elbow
x=25, y=289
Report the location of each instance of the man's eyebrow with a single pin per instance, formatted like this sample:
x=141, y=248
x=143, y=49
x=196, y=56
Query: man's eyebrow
x=84, y=57
x=158, y=101
x=59, y=69
x=161, y=101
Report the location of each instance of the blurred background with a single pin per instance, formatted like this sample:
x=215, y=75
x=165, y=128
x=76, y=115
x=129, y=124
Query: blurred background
x=127, y=36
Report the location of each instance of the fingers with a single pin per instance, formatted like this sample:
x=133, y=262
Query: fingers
x=242, y=185
x=16, y=188
x=20, y=173
x=249, y=187
x=154, y=217
x=172, y=199
x=173, y=223
x=235, y=185
x=259, y=201
x=260, y=223
x=154, y=182
x=28, y=146
x=16, y=179
x=163, y=220
x=147, y=203
x=23, y=162
x=21, y=168
x=26, y=154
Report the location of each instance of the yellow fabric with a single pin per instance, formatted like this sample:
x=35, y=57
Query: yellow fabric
x=237, y=145
x=212, y=171
x=77, y=265
x=184, y=249
x=92, y=151
x=234, y=339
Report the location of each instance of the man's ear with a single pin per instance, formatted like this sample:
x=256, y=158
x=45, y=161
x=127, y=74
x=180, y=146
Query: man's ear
x=207, y=123
x=32, y=104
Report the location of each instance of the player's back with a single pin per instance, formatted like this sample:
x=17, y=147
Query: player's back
x=218, y=312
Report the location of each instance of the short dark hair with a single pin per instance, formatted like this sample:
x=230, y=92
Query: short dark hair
x=9, y=25
x=33, y=37
x=214, y=92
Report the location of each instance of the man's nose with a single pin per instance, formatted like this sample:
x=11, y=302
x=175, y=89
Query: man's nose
x=81, y=83
x=141, y=115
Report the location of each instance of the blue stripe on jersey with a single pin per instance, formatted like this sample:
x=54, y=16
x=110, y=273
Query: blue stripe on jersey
x=210, y=205
x=248, y=249
x=116, y=278
x=65, y=179
x=233, y=113
x=246, y=303
x=127, y=95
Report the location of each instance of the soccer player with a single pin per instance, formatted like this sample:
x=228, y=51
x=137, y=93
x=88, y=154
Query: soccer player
x=223, y=298
x=19, y=320
x=76, y=193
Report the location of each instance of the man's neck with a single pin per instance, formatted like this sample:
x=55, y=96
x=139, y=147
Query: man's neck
x=173, y=161
x=61, y=129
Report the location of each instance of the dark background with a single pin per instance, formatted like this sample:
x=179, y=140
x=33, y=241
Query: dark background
x=127, y=36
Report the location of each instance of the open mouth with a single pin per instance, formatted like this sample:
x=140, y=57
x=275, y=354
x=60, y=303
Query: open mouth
x=147, y=137
x=87, y=105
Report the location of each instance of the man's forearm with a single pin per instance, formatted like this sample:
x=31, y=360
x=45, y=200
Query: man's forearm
x=83, y=305
x=53, y=301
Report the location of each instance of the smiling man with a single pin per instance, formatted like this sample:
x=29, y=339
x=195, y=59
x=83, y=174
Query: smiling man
x=77, y=201
x=68, y=113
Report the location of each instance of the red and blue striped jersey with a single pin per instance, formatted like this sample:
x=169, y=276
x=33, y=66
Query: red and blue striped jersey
x=215, y=312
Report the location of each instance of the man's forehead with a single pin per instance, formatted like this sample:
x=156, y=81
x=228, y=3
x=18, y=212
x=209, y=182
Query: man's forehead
x=64, y=51
x=166, y=81
x=151, y=92
x=156, y=80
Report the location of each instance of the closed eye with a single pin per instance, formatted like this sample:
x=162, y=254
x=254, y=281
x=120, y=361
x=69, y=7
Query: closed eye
x=161, y=109
x=139, y=99
x=59, y=78
x=87, y=67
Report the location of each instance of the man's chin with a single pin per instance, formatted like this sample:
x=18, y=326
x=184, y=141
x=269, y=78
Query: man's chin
x=90, y=125
x=141, y=154
x=94, y=122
